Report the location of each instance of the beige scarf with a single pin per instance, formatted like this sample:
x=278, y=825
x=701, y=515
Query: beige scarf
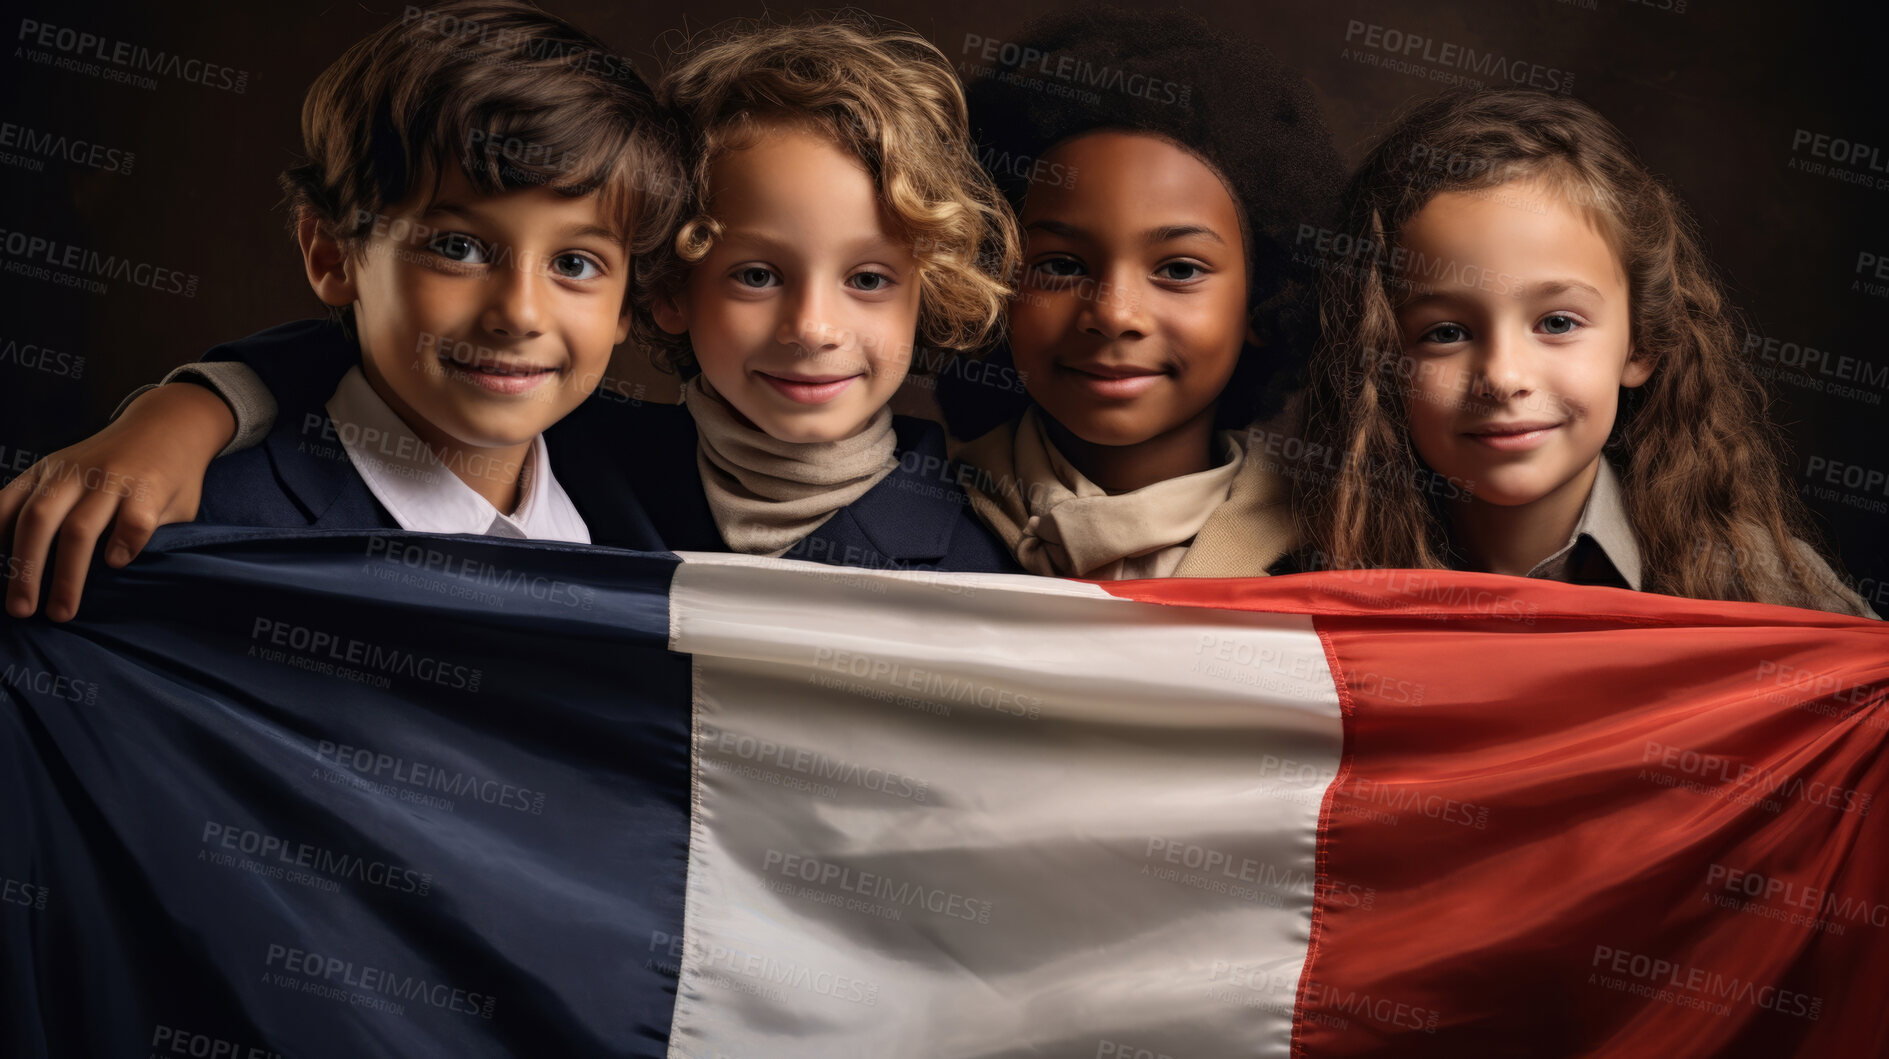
x=767, y=494
x=1231, y=520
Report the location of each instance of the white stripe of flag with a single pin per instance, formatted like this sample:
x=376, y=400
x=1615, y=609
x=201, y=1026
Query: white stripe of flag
x=997, y=815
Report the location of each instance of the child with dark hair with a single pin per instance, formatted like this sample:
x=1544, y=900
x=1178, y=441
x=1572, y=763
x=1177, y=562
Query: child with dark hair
x=1161, y=172
x=1531, y=368
x=481, y=183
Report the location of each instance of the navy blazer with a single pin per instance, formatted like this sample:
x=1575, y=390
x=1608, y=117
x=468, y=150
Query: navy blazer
x=916, y=518
x=299, y=476
x=629, y=467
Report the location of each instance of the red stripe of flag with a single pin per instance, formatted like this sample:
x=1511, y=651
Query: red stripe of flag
x=1584, y=821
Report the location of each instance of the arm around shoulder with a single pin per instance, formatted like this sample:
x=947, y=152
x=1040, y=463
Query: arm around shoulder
x=142, y=471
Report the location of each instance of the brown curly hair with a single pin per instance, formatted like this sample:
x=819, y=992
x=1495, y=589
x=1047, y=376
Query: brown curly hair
x=886, y=96
x=1698, y=460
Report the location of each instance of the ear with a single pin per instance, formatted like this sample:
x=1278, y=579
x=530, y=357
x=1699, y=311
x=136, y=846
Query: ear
x=623, y=327
x=1252, y=336
x=329, y=271
x=1638, y=369
x=671, y=312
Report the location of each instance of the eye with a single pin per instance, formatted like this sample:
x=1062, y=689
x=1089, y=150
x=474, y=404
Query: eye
x=869, y=282
x=1445, y=334
x=575, y=266
x=1057, y=268
x=1559, y=323
x=1181, y=271
x=459, y=247
x=755, y=276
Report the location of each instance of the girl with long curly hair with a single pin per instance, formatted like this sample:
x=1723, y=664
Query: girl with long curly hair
x=1527, y=366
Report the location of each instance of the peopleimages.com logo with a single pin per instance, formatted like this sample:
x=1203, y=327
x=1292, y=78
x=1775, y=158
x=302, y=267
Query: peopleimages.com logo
x=120, y=60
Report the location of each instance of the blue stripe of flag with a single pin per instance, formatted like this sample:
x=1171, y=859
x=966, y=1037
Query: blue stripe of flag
x=346, y=794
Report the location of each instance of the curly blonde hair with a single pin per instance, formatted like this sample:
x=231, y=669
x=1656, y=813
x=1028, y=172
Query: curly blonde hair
x=1699, y=462
x=886, y=96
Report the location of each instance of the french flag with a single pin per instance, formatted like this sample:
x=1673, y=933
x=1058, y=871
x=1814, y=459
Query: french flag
x=353, y=794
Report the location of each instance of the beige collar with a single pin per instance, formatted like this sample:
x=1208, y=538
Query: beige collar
x=767, y=494
x=1227, y=521
x=1613, y=552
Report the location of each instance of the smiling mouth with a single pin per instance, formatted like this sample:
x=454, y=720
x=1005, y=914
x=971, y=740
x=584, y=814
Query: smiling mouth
x=1513, y=437
x=499, y=376
x=809, y=389
x=1115, y=371
x=1113, y=381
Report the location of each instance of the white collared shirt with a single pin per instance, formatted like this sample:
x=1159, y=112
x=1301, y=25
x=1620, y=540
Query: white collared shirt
x=423, y=495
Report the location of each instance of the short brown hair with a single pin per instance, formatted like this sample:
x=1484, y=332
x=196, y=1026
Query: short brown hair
x=510, y=95
x=883, y=94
